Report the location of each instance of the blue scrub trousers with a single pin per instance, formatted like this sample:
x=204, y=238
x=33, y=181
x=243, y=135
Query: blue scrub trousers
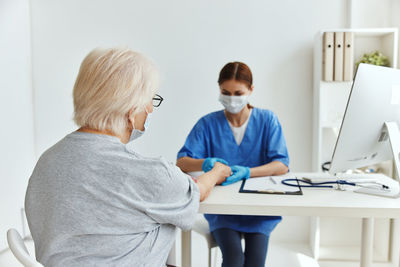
x=229, y=241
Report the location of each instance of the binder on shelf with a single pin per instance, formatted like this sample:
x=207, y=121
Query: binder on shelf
x=348, y=65
x=328, y=48
x=338, y=71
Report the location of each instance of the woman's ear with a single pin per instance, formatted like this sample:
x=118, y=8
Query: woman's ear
x=150, y=108
x=251, y=89
x=131, y=118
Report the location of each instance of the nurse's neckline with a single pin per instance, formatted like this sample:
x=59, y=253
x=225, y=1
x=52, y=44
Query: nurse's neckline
x=237, y=120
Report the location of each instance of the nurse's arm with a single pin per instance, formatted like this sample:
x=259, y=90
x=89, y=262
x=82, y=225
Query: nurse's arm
x=208, y=180
x=269, y=169
x=187, y=164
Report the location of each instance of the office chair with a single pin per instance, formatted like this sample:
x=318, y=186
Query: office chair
x=201, y=227
x=18, y=248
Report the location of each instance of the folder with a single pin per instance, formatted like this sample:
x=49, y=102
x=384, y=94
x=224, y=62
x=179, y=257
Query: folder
x=348, y=56
x=328, y=48
x=338, y=71
x=270, y=185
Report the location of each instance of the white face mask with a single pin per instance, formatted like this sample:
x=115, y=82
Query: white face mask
x=135, y=134
x=233, y=104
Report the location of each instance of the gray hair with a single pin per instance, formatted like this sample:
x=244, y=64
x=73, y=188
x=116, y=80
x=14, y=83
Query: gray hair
x=110, y=83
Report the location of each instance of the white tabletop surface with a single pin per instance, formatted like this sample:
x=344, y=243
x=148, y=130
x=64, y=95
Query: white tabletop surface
x=313, y=202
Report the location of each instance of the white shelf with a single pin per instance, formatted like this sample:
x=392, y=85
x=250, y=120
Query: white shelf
x=347, y=253
x=363, y=31
x=335, y=238
x=352, y=264
x=334, y=125
x=330, y=98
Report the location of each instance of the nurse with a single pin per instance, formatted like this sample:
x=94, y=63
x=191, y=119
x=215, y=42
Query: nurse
x=248, y=139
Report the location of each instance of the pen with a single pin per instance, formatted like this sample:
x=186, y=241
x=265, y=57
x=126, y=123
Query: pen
x=271, y=191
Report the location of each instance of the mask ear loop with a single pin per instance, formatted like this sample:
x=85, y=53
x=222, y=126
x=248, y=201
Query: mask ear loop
x=131, y=128
x=249, y=106
x=131, y=125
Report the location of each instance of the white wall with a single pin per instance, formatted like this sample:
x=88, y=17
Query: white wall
x=371, y=13
x=16, y=112
x=396, y=19
x=190, y=41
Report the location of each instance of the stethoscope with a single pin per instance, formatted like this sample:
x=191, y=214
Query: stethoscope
x=338, y=184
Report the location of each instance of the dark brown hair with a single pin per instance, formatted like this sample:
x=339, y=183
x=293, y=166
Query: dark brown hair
x=237, y=71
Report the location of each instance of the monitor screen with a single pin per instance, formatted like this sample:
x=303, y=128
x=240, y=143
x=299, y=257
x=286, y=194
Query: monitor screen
x=374, y=99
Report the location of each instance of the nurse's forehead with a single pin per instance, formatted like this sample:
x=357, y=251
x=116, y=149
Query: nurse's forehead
x=233, y=86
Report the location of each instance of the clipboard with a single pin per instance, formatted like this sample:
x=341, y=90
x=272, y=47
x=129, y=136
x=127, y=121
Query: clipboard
x=270, y=185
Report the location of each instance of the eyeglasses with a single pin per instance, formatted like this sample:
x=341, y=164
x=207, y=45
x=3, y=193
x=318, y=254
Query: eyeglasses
x=157, y=100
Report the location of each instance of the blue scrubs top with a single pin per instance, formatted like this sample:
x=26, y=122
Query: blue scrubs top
x=262, y=143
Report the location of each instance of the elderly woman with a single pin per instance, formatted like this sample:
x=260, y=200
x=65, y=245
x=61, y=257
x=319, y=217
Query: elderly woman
x=92, y=200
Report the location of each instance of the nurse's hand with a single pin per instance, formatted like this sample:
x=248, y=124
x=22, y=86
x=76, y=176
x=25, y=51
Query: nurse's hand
x=223, y=171
x=239, y=173
x=208, y=163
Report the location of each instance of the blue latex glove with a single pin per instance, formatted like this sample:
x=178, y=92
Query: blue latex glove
x=238, y=173
x=208, y=163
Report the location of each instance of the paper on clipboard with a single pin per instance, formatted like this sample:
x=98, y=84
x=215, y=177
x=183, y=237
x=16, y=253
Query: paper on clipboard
x=269, y=183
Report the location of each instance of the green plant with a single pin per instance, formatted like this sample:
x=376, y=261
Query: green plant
x=375, y=58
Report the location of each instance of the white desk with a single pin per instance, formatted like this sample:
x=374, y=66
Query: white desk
x=313, y=202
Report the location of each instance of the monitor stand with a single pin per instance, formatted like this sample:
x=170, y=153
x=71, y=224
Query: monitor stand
x=390, y=131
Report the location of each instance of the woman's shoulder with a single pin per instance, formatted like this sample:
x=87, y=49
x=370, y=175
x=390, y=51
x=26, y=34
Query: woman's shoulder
x=212, y=116
x=163, y=176
x=264, y=114
x=157, y=165
x=209, y=120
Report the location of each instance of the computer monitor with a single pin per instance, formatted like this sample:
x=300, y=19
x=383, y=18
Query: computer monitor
x=369, y=133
